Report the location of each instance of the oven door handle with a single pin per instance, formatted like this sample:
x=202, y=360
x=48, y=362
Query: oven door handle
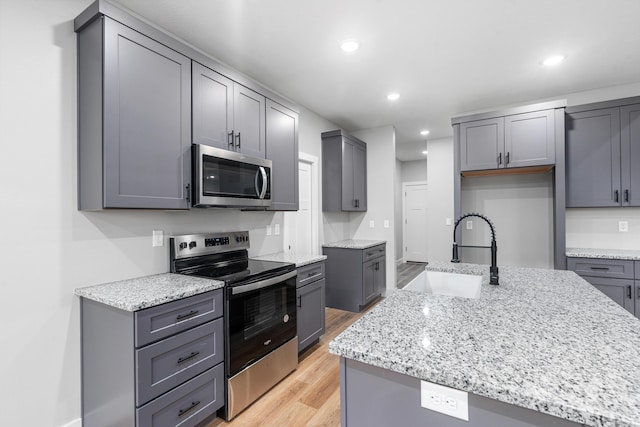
x=236, y=290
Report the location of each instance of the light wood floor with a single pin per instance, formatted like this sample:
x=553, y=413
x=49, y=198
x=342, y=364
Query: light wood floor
x=407, y=271
x=310, y=396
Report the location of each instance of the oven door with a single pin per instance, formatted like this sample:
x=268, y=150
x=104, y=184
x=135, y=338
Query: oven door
x=227, y=178
x=261, y=316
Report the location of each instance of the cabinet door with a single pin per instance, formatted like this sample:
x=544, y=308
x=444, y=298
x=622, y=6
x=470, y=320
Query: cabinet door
x=212, y=118
x=529, y=139
x=637, y=298
x=619, y=290
x=630, y=158
x=481, y=144
x=381, y=275
x=248, y=121
x=311, y=318
x=348, y=156
x=593, y=158
x=282, y=150
x=369, y=276
x=147, y=115
x=360, y=178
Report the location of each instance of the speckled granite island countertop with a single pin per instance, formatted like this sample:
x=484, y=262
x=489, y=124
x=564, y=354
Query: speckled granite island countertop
x=148, y=291
x=354, y=244
x=543, y=339
x=298, y=258
x=603, y=253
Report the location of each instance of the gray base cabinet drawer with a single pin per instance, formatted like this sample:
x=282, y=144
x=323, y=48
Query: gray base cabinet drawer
x=187, y=405
x=168, y=363
x=374, y=252
x=310, y=273
x=597, y=267
x=156, y=323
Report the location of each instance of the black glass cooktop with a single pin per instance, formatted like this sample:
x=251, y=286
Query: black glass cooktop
x=242, y=270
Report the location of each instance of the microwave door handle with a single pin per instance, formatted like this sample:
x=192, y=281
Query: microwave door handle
x=261, y=191
x=236, y=290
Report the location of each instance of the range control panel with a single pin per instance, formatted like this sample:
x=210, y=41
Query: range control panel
x=189, y=245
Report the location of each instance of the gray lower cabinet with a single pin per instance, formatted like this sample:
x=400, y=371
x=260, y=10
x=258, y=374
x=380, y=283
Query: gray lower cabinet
x=614, y=278
x=282, y=150
x=518, y=140
x=344, y=172
x=134, y=112
x=637, y=288
x=603, y=154
x=161, y=366
x=310, y=293
x=354, y=277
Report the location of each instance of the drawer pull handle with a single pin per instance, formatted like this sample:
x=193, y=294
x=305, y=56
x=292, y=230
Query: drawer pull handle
x=299, y=301
x=629, y=292
x=626, y=196
x=600, y=268
x=190, y=408
x=187, y=315
x=616, y=197
x=313, y=273
x=189, y=357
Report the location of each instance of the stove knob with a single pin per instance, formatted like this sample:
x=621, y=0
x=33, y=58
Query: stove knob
x=192, y=245
x=183, y=245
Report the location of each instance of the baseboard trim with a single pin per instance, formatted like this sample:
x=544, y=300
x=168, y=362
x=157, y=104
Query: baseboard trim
x=75, y=423
x=399, y=261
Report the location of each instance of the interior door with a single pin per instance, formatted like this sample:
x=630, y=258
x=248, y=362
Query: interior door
x=299, y=224
x=415, y=222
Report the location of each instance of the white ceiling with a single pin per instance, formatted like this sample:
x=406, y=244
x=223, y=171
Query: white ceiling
x=445, y=57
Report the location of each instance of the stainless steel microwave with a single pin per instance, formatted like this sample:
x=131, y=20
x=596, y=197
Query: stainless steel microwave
x=224, y=178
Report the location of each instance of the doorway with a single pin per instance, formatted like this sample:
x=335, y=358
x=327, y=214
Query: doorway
x=301, y=227
x=414, y=221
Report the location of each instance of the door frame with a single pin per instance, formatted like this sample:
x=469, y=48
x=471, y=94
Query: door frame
x=315, y=205
x=405, y=185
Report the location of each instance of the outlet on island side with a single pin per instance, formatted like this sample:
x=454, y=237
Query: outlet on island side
x=444, y=400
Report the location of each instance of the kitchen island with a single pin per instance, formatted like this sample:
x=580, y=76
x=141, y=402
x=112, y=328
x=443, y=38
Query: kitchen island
x=544, y=348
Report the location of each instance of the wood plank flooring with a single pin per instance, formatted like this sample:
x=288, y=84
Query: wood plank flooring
x=310, y=396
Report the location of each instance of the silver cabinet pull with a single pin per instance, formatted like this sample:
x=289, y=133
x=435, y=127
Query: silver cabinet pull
x=190, y=408
x=187, y=358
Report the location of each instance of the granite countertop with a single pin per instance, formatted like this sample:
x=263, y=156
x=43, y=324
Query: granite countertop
x=148, y=291
x=543, y=339
x=603, y=253
x=354, y=244
x=298, y=258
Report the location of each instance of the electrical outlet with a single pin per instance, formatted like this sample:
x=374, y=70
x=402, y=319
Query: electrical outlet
x=444, y=400
x=469, y=224
x=371, y=224
x=157, y=238
x=447, y=221
x=268, y=229
x=623, y=226
x=386, y=223
x=277, y=230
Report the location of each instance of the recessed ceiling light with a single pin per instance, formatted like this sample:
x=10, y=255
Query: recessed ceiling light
x=393, y=96
x=425, y=152
x=424, y=132
x=350, y=45
x=553, y=60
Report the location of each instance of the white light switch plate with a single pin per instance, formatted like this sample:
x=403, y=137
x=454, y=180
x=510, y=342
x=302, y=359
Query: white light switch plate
x=386, y=223
x=371, y=224
x=157, y=238
x=444, y=400
x=269, y=230
x=447, y=221
x=277, y=230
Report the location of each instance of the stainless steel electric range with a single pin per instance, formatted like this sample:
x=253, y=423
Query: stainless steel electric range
x=261, y=343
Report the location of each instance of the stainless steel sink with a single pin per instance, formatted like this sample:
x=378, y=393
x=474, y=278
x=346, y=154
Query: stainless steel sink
x=451, y=284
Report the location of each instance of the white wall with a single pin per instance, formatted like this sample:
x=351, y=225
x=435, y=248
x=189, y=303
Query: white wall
x=49, y=248
x=415, y=170
x=398, y=211
x=439, y=198
x=381, y=164
x=521, y=208
x=598, y=228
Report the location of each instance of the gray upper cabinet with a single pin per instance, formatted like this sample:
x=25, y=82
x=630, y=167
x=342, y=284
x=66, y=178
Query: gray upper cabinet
x=134, y=120
x=344, y=172
x=603, y=154
x=212, y=118
x=630, y=154
x=282, y=150
x=226, y=114
x=481, y=142
x=249, y=110
x=593, y=158
x=518, y=140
